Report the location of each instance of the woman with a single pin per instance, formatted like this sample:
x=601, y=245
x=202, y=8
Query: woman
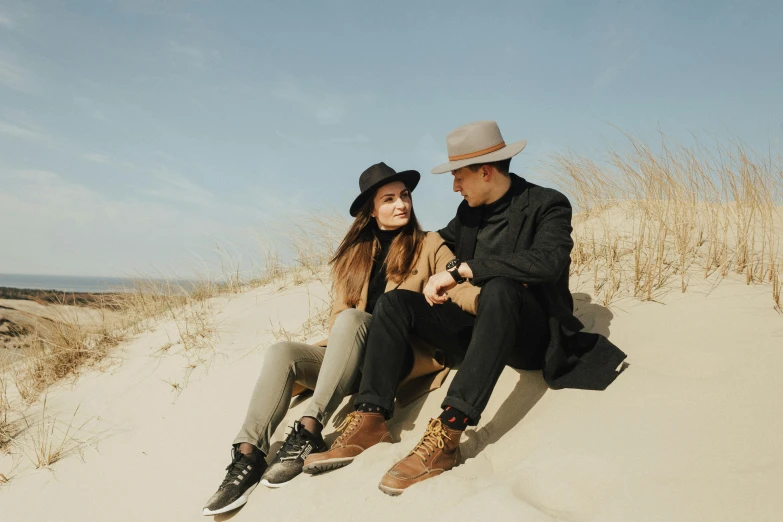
x=385, y=248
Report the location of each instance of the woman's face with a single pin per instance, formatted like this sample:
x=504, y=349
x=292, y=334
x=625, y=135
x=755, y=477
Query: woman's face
x=392, y=206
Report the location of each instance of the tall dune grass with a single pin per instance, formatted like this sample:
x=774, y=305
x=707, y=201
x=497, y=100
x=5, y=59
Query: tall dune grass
x=5, y=409
x=649, y=218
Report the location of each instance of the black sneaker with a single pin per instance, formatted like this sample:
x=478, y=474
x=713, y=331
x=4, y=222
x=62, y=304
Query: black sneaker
x=243, y=475
x=290, y=458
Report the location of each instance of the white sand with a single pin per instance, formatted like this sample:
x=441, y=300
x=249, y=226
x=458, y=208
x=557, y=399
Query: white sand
x=690, y=431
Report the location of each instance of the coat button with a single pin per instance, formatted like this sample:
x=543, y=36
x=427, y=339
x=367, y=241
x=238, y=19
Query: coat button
x=414, y=272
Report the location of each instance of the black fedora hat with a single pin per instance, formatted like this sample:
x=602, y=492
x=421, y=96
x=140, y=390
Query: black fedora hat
x=378, y=175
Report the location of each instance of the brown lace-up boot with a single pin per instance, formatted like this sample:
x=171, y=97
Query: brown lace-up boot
x=436, y=452
x=361, y=431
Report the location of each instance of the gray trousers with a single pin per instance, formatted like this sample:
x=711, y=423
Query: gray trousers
x=332, y=373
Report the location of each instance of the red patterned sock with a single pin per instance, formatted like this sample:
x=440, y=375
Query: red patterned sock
x=454, y=419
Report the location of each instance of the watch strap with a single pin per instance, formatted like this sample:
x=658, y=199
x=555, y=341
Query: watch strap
x=454, y=270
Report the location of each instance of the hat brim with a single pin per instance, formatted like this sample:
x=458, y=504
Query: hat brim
x=506, y=152
x=409, y=177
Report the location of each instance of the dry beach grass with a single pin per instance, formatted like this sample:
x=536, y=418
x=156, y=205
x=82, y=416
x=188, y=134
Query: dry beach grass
x=653, y=217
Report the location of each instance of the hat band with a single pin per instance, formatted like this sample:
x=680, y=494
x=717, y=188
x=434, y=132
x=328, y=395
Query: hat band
x=478, y=152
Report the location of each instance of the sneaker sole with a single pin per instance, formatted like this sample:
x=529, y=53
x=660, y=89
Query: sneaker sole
x=238, y=503
x=274, y=485
x=390, y=491
x=327, y=465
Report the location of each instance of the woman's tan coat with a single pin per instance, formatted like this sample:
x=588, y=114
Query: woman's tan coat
x=428, y=370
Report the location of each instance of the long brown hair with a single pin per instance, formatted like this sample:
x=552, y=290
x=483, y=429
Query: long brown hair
x=353, y=259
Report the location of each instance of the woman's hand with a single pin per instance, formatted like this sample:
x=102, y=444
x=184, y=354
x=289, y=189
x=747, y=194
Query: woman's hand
x=437, y=286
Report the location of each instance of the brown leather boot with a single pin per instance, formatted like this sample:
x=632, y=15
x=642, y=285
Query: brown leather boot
x=361, y=431
x=436, y=452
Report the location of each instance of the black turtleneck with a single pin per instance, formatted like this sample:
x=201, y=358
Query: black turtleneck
x=378, y=272
x=492, y=230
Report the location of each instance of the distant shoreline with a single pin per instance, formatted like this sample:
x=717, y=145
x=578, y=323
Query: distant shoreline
x=91, y=285
x=52, y=296
x=65, y=283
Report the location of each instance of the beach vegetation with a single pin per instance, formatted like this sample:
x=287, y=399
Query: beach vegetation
x=652, y=218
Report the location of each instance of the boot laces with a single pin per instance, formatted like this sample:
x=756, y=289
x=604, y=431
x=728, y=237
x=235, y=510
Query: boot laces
x=434, y=438
x=348, y=424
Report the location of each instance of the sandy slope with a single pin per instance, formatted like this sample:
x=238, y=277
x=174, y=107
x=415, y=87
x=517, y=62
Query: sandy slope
x=690, y=431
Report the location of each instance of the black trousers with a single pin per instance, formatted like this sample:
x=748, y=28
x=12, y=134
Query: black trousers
x=510, y=327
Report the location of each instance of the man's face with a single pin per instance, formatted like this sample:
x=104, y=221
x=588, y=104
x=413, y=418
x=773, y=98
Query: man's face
x=470, y=185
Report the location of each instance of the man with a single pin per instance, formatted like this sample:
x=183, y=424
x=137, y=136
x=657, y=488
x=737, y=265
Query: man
x=512, y=239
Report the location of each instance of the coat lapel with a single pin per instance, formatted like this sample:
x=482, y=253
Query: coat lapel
x=517, y=218
x=469, y=219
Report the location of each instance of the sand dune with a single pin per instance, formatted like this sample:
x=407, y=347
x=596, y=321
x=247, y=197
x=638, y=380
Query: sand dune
x=19, y=317
x=689, y=431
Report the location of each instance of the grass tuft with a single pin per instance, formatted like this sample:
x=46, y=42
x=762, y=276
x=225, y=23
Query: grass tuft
x=48, y=440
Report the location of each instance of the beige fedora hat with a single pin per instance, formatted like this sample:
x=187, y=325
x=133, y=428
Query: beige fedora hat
x=477, y=142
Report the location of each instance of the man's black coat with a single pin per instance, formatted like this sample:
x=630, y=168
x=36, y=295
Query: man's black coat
x=538, y=253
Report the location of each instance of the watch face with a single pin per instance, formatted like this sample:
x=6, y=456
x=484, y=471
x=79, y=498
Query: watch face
x=452, y=264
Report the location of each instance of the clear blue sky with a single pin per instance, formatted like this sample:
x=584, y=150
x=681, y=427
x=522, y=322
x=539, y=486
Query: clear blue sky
x=136, y=133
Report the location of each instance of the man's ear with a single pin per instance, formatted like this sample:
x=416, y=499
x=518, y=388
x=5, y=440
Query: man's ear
x=486, y=172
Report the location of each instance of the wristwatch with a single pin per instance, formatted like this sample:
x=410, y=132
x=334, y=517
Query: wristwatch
x=452, y=267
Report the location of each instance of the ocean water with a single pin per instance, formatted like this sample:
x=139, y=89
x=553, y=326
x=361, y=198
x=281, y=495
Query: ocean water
x=67, y=283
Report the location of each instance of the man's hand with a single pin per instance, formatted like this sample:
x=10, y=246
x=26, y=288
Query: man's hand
x=437, y=286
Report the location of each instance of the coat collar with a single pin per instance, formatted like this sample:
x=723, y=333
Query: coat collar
x=521, y=195
x=470, y=219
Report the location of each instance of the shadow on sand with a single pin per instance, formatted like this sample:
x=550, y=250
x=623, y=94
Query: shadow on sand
x=528, y=391
x=531, y=387
x=595, y=317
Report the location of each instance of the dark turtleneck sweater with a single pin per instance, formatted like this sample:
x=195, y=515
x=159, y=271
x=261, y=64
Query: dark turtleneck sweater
x=492, y=230
x=378, y=272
